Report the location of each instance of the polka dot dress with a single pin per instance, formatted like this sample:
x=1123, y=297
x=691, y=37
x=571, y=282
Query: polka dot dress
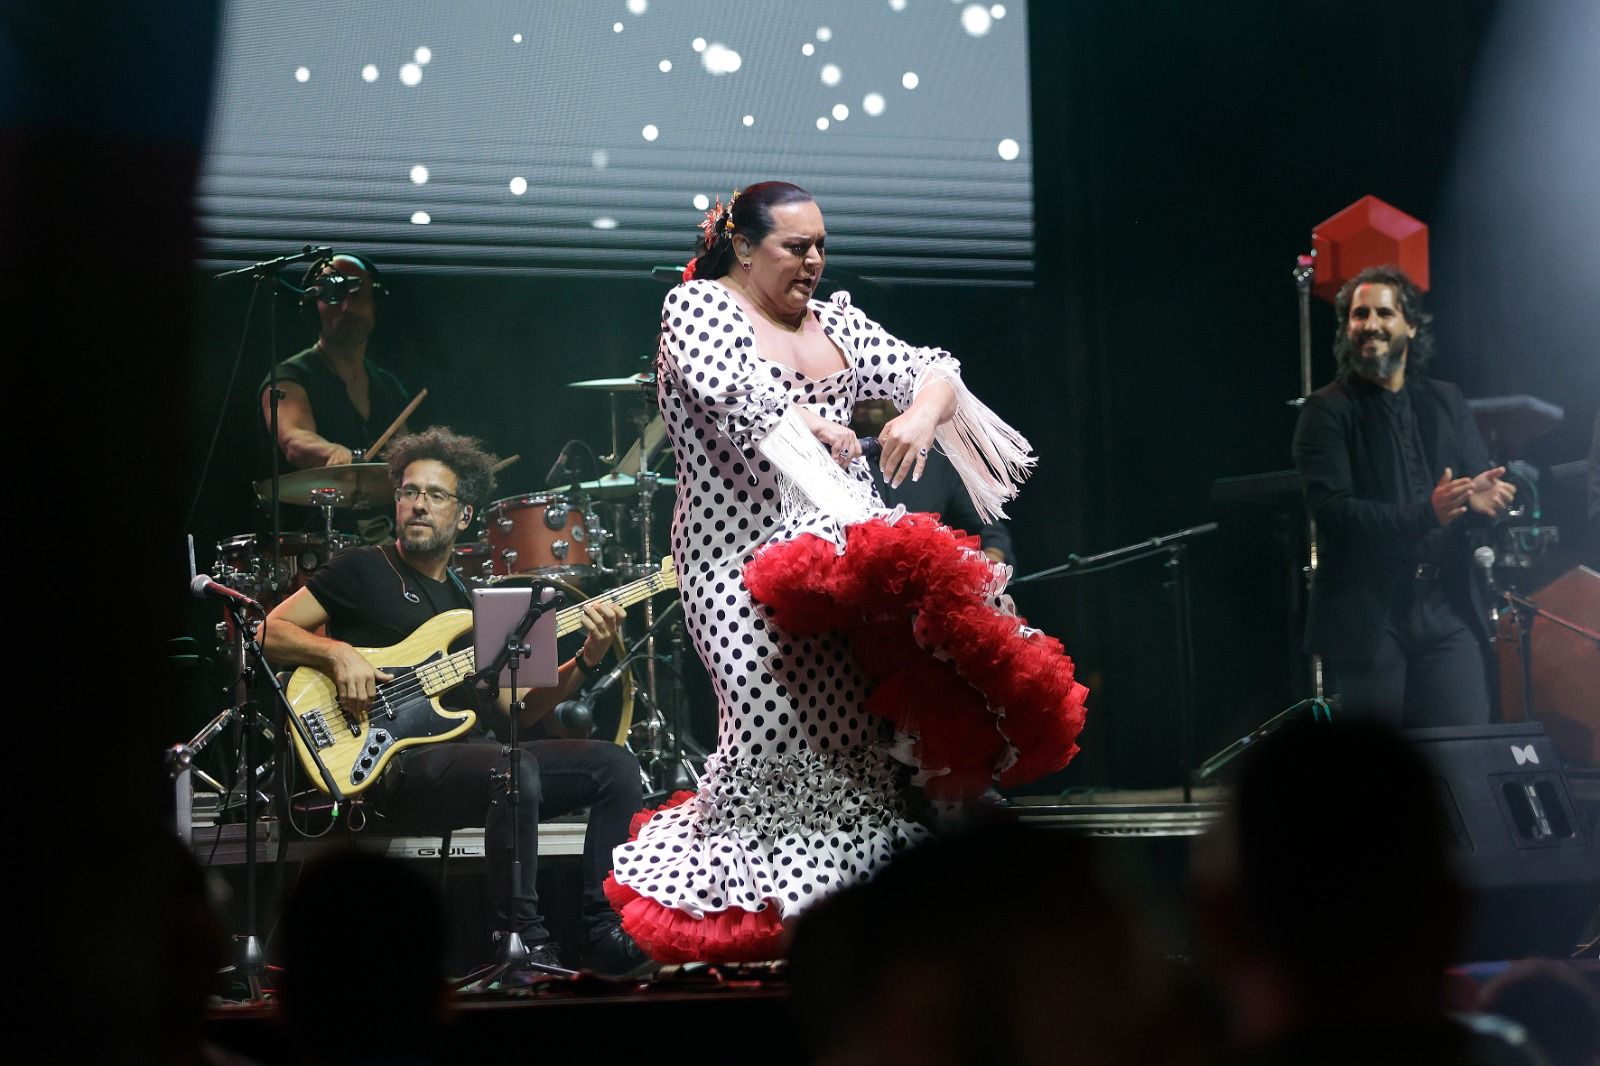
x=800, y=797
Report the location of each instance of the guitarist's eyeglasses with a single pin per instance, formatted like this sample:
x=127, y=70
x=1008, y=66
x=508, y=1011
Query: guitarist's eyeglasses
x=437, y=497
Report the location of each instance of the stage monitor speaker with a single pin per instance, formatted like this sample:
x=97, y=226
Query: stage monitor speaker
x=1525, y=850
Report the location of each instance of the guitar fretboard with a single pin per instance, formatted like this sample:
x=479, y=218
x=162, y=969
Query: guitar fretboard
x=452, y=670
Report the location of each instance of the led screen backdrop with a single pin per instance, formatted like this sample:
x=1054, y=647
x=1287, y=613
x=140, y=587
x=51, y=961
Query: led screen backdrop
x=579, y=136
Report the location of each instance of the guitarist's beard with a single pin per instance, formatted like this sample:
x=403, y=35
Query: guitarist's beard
x=424, y=541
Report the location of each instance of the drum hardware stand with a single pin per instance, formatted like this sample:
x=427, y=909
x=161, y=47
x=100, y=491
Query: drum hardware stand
x=325, y=500
x=512, y=954
x=647, y=485
x=1174, y=546
x=666, y=751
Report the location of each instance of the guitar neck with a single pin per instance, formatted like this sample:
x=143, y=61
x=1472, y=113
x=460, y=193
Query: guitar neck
x=570, y=619
x=452, y=670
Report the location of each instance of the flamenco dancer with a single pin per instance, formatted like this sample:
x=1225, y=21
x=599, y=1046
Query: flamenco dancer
x=843, y=638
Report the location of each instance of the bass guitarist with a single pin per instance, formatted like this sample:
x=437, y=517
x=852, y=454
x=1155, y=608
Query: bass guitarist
x=377, y=596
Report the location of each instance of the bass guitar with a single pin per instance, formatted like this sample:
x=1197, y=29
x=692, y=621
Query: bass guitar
x=406, y=711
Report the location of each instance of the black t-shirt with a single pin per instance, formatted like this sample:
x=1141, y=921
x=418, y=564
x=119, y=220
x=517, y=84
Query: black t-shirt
x=375, y=599
x=337, y=418
x=368, y=595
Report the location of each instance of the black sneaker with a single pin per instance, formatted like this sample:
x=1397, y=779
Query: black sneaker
x=612, y=953
x=529, y=973
x=543, y=955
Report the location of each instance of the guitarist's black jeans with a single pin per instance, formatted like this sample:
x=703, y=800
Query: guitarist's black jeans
x=462, y=783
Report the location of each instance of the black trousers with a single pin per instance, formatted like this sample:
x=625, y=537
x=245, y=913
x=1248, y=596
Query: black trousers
x=463, y=783
x=1428, y=670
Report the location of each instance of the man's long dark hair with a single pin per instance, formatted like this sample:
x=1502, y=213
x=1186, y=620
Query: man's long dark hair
x=1418, y=351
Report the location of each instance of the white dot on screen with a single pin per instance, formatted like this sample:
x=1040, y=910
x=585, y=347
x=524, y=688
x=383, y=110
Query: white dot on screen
x=1009, y=149
x=872, y=104
x=840, y=112
x=650, y=133
x=302, y=74
x=720, y=59
x=698, y=44
x=601, y=159
x=616, y=27
x=824, y=34
x=638, y=7
x=808, y=49
x=410, y=74
x=910, y=80
x=664, y=66
x=897, y=5
x=424, y=54
x=420, y=218
x=998, y=11
x=604, y=222
x=701, y=202
x=519, y=185
x=822, y=123
x=749, y=120
x=976, y=20
x=419, y=175
x=516, y=38
x=830, y=74
x=369, y=72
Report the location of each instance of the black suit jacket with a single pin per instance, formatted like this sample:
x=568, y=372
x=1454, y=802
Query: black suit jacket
x=1369, y=537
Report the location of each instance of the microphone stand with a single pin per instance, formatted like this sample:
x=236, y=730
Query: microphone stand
x=259, y=273
x=1319, y=704
x=253, y=965
x=1526, y=612
x=583, y=704
x=1175, y=547
x=512, y=954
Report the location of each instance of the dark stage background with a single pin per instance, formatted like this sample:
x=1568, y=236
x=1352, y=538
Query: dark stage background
x=1181, y=154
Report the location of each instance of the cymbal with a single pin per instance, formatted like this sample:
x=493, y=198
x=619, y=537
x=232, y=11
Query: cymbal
x=359, y=485
x=636, y=383
x=621, y=486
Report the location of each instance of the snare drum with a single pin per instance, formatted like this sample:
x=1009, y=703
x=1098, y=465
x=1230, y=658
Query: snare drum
x=545, y=534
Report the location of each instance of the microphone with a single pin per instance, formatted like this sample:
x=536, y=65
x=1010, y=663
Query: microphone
x=577, y=714
x=335, y=288
x=870, y=448
x=1484, y=557
x=559, y=465
x=202, y=587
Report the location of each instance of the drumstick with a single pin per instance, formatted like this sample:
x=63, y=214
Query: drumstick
x=378, y=444
x=502, y=464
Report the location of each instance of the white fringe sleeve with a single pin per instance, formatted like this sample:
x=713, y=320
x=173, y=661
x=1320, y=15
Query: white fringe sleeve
x=991, y=457
x=810, y=479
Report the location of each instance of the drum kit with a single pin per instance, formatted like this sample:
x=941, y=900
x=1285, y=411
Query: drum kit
x=563, y=536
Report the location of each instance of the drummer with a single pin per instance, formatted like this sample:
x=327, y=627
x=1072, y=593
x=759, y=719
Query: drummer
x=332, y=398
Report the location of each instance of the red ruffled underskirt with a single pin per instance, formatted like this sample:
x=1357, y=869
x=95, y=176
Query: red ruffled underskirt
x=967, y=682
x=668, y=935
x=947, y=668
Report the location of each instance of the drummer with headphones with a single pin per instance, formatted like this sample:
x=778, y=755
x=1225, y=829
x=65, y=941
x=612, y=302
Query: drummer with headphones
x=332, y=398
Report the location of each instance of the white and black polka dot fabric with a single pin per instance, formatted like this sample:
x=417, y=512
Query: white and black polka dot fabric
x=800, y=796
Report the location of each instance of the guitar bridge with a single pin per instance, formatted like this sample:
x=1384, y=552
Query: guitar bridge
x=317, y=730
